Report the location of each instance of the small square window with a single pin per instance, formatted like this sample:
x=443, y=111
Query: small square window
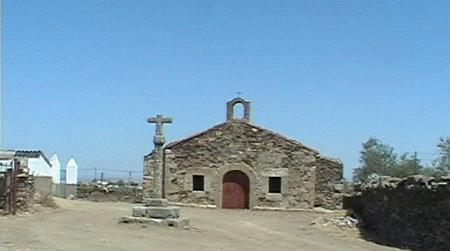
x=198, y=183
x=274, y=184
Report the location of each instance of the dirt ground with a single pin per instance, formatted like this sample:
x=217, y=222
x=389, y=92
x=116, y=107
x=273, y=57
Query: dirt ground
x=82, y=225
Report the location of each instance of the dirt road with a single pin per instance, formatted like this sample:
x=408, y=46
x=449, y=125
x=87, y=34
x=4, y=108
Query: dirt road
x=81, y=225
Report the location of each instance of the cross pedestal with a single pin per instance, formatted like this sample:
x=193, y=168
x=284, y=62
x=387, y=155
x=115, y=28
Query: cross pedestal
x=158, y=212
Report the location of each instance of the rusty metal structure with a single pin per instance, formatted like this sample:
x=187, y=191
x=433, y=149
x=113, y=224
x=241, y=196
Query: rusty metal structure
x=9, y=187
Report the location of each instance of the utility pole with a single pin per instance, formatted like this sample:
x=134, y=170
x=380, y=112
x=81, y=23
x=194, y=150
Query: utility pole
x=415, y=160
x=129, y=177
x=1, y=74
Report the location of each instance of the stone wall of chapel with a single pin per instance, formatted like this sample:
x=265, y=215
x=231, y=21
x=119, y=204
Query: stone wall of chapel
x=329, y=186
x=262, y=152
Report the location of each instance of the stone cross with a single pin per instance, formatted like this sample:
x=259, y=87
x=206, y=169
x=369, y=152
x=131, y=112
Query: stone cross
x=159, y=120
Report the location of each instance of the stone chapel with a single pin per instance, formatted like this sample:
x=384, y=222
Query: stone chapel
x=237, y=164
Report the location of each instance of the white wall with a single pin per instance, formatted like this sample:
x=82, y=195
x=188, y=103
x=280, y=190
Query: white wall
x=56, y=169
x=72, y=172
x=39, y=167
x=5, y=164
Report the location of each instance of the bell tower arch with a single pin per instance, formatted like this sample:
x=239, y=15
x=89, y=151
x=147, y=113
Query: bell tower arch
x=231, y=105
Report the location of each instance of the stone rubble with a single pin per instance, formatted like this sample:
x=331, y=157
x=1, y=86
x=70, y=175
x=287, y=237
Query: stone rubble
x=25, y=192
x=109, y=191
x=341, y=222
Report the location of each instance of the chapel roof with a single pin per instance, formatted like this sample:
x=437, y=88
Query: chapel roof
x=242, y=122
x=245, y=121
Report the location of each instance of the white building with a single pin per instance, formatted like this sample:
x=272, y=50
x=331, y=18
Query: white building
x=72, y=172
x=56, y=169
x=6, y=159
x=38, y=164
x=46, y=173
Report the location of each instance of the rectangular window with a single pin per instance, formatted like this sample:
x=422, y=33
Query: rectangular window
x=274, y=184
x=198, y=183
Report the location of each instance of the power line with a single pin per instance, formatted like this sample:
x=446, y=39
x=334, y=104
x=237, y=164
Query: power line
x=110, y=170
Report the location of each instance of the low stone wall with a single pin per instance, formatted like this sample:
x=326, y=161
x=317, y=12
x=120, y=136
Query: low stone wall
x=25, y=192
x=411, y=213
x=43, y=184
x=109, y=192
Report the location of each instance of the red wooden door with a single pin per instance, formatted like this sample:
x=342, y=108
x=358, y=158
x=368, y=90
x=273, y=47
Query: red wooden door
x=235, y=190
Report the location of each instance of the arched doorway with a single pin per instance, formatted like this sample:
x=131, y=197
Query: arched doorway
x=235, y=190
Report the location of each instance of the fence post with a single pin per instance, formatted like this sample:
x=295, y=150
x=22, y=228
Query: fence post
x=8, y=196
x=13, y=188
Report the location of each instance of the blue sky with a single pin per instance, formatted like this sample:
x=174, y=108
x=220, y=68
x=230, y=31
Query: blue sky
x=81, y=77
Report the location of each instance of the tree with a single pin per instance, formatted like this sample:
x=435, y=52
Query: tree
x=432, y=172
x=407, y=164
x=381, y=159
x=442, y=163
x=375, y=158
